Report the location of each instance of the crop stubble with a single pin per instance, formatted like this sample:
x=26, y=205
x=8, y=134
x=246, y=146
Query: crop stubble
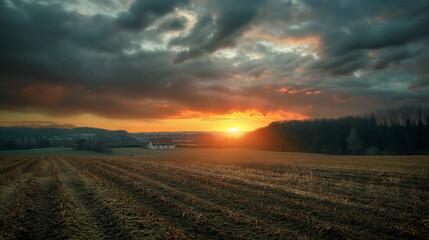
x=67, y=197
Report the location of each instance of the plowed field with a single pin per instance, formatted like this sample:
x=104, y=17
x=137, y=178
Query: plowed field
x=235, y=196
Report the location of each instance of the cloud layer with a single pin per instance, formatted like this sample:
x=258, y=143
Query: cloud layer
x=150, y=59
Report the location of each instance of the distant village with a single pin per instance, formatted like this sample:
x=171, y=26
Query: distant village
x=101, y=140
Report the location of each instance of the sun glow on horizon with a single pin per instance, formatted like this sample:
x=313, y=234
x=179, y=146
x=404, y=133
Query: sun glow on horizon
x=233, y=129
x=234, y=123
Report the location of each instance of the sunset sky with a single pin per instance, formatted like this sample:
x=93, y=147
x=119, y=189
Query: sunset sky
x=207, y=65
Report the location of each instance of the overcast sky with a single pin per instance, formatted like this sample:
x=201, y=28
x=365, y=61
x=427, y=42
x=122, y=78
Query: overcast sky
x=152, y=65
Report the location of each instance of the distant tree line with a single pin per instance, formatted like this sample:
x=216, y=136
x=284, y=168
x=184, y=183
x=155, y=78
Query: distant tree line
x=94, y=145
x=24, y=143
x=402, y=130
x=93, y=139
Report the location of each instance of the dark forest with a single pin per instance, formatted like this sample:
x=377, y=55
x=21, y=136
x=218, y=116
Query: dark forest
x=401, y=131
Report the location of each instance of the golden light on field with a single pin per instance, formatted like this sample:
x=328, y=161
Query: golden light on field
x=233, y=129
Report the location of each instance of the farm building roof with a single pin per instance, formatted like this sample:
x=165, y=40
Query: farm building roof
x=161, y=141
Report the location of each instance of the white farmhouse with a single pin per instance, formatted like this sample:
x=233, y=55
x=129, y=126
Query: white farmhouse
x=161, y=143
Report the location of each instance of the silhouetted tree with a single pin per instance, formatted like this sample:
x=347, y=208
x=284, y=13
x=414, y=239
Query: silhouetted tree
x=354, y=143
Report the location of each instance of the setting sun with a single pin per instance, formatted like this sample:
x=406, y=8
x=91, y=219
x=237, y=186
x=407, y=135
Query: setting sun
x=233, y=129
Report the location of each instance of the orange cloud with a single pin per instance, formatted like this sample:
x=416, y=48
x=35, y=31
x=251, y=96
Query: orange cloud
x=338, y=99
x=310, y=39
x=293, y=40
x=282, y=90
x=162, y=105
x=243, y=120
x=372, y=54
x=295, y=91
x=315, y=92
x=248, y=114
x=234, y=77
x=43, y=93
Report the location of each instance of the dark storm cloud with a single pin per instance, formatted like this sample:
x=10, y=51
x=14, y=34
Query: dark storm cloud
x=363, y=26
x=343, y=64
x=200, y=33
x=72, y=72
x=106, y=3
x=420, y=83
x=345, y=27
x=143, y=13
x=390, y=56
x=156, y=59
x=172, y=24
x=230, y=19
